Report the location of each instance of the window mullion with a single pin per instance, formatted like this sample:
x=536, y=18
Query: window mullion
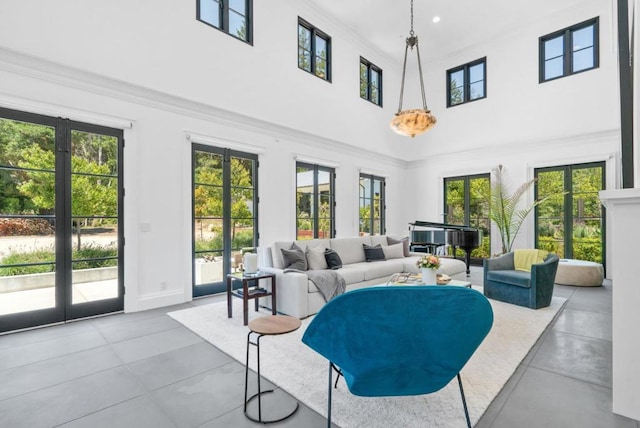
x=568, y=52
x=316, y=199
x=467, y=84
x=372, y=210
x=369, y=82
x=224, y=16
x=313, y=51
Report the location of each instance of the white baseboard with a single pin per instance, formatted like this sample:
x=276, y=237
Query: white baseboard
x=160, y=299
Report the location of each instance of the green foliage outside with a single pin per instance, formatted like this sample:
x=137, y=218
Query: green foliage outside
x=305, y=55
x=305, y=209
x=305, y=222
x=15, y=139
x=89, y=251
x=365, y=216
x=208, y=193
x=30, y=189
x=587, y=249
x=243, y=239
x=585, y=209
x=479, y=194
x=363, y=82
x=457, y=93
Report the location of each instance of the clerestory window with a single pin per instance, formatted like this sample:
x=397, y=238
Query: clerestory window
x=233, y=17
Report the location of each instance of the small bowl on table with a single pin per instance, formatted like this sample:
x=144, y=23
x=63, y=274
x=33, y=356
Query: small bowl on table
x=442, y=279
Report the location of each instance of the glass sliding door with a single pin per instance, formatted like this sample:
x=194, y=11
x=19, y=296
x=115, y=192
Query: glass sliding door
x=60, y=220
x=224, y=214
x=571, y=222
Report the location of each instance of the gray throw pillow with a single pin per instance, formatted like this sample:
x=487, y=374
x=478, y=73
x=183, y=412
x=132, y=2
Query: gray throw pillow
x=404, y=241
x=315, y=258
x=294, y=258
x=372, y=254
x=333, y=259
x=393, y=251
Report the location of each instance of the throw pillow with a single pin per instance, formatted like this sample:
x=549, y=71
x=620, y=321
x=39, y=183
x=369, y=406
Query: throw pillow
x=404, y=241
x=333, y=259
x=315, y=258
x=372, y=254
x=523, y=259
x=393, y=251
x=294, y=258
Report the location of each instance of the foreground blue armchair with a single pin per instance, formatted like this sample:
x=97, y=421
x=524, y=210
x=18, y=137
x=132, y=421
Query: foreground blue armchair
x=400, y=340
x=532, y=289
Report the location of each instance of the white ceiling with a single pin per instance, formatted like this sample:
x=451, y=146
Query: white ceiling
x=386, y=23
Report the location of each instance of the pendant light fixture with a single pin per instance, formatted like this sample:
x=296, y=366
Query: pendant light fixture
x=416, y=121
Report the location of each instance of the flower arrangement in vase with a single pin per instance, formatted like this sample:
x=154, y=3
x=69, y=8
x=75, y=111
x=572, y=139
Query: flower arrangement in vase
x=428, y=265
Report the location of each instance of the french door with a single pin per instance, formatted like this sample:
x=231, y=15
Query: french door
x=571, y=222
x=61, y=234
x=466, y=202
x=225, y=214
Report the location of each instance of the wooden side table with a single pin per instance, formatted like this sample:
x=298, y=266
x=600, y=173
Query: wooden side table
x=247, y=294
x=267, y=326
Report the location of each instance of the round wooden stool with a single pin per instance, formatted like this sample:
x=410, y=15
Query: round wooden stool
x=266, y=326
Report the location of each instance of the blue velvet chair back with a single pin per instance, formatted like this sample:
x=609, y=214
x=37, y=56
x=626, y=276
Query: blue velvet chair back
x=400, y=340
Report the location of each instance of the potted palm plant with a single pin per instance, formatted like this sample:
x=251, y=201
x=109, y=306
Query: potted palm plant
x=506, y=211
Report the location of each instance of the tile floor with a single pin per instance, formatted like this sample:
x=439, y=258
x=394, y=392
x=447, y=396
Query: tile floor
x=146, y=370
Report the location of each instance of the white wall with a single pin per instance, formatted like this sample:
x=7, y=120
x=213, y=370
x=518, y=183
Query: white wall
x=624, y=209
x=518, y=109
x=165, y=48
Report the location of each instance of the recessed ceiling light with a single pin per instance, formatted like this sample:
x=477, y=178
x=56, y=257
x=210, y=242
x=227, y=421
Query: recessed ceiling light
x=436, y=19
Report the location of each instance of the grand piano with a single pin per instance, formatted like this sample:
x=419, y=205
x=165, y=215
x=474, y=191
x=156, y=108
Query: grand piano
x=429, y=237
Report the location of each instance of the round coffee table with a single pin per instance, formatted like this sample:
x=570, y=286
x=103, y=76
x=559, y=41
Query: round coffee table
x=259, y=327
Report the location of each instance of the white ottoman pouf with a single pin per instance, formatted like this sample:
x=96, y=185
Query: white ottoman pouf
x=580, y=273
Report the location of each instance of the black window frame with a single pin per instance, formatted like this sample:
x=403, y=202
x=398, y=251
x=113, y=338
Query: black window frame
x=316, y=199
x=470, y=218
x=315, y=33
x=224, y=19
x=567, y=53
x=570, y=208
x=383, y=204
x=370, y=67
x=467, y=83
x=227, y=188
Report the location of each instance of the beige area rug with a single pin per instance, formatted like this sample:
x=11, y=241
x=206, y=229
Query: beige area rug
x=291, y=365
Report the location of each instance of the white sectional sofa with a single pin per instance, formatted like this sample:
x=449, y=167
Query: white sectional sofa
x=299, y=297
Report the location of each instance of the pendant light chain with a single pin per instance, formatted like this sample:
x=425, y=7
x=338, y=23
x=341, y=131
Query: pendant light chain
x=415, y=121
x=411, y=33
x=412, y=41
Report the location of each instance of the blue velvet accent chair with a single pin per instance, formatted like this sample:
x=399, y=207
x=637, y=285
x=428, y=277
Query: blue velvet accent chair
x=400, y=340
x=531, y=289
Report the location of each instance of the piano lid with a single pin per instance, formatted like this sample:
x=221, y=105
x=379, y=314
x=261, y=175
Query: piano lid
x=442, y=225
